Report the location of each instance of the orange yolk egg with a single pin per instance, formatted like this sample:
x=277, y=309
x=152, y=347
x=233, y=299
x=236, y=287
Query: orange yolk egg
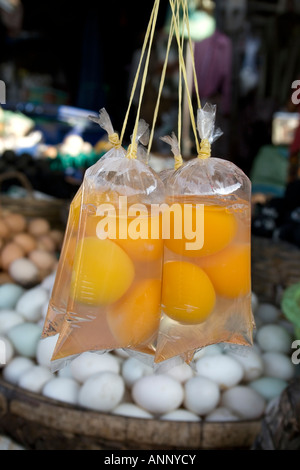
x=137, y=240
x=102, y=272
x=134, y=320
x=214, y=231
x=188, y=295
x=230, y=270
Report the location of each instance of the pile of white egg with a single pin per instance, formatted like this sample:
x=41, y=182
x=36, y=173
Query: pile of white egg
x=223, y=383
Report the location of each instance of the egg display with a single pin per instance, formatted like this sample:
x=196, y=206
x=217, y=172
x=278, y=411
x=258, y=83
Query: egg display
x=221, y=384
x=28, y=249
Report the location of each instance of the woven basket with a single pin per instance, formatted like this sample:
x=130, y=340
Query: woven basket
x=54, y=210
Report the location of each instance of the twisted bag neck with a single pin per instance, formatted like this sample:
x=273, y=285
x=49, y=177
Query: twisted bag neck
x=132, y=151
x=177, y=161
x=114, y=140
x=205, y=149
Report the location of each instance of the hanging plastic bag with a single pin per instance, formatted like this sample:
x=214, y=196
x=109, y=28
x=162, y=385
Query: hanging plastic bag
x=60, y=292
x=206, y=292
x=114, y=298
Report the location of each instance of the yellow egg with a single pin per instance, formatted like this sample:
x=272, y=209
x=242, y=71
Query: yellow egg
x=230, y=270
x=102, y=272
x=220, y=227
x=146, y=247
x=188, y=295
x=134, y=320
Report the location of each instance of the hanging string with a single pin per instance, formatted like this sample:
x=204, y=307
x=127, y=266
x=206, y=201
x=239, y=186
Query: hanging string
x=187, y=24
x=182, y=63
x=147, y=34
x=131, y=153
x=162, y=80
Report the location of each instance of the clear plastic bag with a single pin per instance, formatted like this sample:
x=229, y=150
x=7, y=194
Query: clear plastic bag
x=206, y=292
x=115, y=288
x=60, y=293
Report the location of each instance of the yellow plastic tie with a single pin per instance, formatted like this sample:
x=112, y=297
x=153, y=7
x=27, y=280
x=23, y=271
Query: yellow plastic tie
x=205, y=149
x=132, y=151
x=114, y=140
x=177, y=161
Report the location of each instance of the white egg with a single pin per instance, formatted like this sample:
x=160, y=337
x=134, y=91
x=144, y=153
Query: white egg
x=267, y=313
x=44, y=350
x=182, y=372
x=202, y=395
x=9, y=295
x=158, y=393
x=6, y=351
x=254, y=302
x=65, y=371
x=18, y=365
x=25, y=338
x=274, y=338
x=88, y=363
x=131, y=410
x=133, y=370
x=278, y=365
x=31, y=303
x=48, y=282
x=268, y=387
x=221, y=414
x=221, y=368
x=24, y=272
x=121, y=353
x=180, y=415
x=62, y=389
x=8, y=319
x=35, y=378
x=244, y=402
x=102, y=392
x=210, y=350
x=251, y=361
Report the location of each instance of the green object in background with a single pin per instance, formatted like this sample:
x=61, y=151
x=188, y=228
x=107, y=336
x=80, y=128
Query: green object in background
x=270, y=170
x=82, y=160
x=290, y=306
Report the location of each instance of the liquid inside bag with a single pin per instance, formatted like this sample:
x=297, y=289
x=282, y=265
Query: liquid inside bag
x=115, y=288
x=60, y=293
x=206, y=292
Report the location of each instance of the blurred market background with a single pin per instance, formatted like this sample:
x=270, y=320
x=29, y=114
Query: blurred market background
x=62, y=61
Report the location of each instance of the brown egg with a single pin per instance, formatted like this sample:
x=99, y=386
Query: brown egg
x=38, y=227
x=16, y=222
x=58, y=237
x=45, y=242
x=25, y=241
x=42, y=259
x=5, y=278
x=10, y=253
x=4, y=229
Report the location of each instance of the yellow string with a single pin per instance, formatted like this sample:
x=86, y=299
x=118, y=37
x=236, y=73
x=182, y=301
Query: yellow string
x=181, y=59
x=187, y=23
x=205, y=150
x=162, y=80
x=114, y=140
x=179, y=89
x=177, y=161
x=147, y=34
x=132, y=149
